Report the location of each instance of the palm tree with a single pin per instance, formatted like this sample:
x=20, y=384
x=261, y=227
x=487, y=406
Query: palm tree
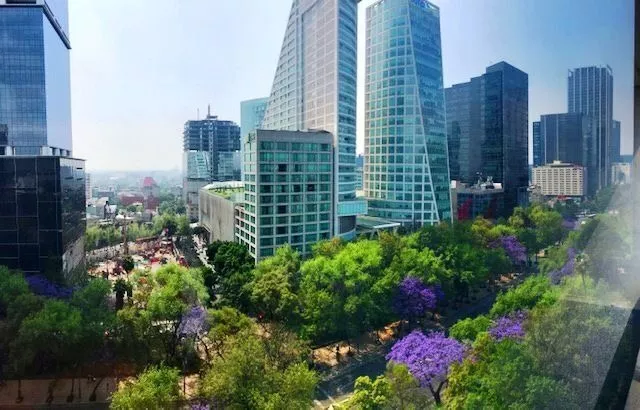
x=120, y=287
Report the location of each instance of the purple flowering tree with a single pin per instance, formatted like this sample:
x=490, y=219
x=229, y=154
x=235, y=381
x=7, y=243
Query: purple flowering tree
x=193, y=322
x=508, y=327
x=413, y=299
x=42, y=286
x=566, y=270
x=428, y=358
x=515, y=250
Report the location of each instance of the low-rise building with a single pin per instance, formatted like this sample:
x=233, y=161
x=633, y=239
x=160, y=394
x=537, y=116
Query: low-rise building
x=484, y=199
x=561, y=179
x=218, y=208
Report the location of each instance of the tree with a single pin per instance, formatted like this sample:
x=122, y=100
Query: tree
x=128, y=264
x=428, y=358
x=532, y=291
x=370, y=395
x=248, y=378
x=120, y=287
x=223, y=324
x=466, y=330
x=275, y=285
x=156, y=388
x=232, y=265
x=515, y=250
x=413, y=299
x=509, y=327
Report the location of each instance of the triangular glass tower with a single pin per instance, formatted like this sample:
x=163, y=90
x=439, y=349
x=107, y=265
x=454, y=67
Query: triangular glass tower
x=315, y=89
x=406, y=162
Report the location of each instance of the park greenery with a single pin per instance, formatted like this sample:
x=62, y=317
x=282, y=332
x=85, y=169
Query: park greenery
x=247, y=329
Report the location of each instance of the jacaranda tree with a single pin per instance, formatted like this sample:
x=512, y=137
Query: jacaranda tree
x=428, y=358
x=413, y=299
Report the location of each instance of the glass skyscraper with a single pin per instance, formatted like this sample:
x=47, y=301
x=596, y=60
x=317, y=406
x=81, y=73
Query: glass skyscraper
x=406, y=168
x=315, y=89
x=487, y=121
x=35, y=94
x=590, y=91
x=615, y=155
x=42, y=189
x=251, y=116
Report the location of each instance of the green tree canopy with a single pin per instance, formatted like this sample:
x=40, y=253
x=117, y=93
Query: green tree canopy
x=156, y=388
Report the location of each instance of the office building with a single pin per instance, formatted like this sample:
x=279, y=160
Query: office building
x=406, y=171
x=590, y=91
x=560, y=179
x=484, y=198
x=615, y=155
x=251, y=116
x=289, y=181
x=42, y=188
x=219, y=209
x=211, y=154
x=621, y=173
x=487, y=121
x=87, y=186
x=315, y=89
x=359, y=172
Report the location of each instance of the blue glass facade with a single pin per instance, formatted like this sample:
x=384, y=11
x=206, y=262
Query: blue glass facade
x=406, y=166
x=251, y=116
x=35, y=101
x=315, y=88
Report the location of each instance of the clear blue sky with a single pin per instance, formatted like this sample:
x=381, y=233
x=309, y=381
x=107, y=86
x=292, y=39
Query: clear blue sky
x=141, y=68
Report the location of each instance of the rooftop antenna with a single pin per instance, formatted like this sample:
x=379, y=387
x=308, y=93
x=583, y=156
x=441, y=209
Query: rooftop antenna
x=208, y=110
x=198, y=115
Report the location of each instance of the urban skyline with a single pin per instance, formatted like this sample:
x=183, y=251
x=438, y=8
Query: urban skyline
x=463, y=57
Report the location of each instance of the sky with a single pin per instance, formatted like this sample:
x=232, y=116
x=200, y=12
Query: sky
x=140, y=69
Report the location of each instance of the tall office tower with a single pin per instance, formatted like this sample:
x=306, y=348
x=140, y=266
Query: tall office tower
x=407, y=170
x=315, y=89
x=463, y=104
x=211, y=153
x=42, y=188
x=567, y=138
x=615, y=155
x=490, y=121
x=359, y=172
x=591, y=92
x=251, y=116
x=289, y=179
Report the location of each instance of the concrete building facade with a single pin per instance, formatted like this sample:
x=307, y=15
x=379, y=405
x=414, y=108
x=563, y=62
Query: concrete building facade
x=561, y=179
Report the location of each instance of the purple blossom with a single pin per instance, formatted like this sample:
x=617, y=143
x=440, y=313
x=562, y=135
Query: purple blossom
x=514, y=249
x=569, y=224
x=428, y=357
x=566, y=270
x=200, y=406
x=194, y=322
x=413, y=298
x=508, y=327
x=42, y=286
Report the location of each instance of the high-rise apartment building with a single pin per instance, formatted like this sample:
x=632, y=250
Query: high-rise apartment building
x=590, y=91
x=315, y=89
x=407, y=170
x=211, y=154
x=567, y=138
x=251, y=116
x=42, y=188
x=560, y=179
x=615, y=155
x=289, y=179
x=488, y=126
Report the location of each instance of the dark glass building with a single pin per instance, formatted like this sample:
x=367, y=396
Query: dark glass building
x=615, y=156
x=590, y=91
x=42, y=198
x=487, y=123
x=567, y=138
x=42, y=215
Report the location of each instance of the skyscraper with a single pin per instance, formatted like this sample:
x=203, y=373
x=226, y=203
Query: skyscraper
x=488, y=127
x=251, y=116
x=42, y=188
x=590, y=91
x=406, y=170
x=211, y=153
x=615, y=155
x=315, y=89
